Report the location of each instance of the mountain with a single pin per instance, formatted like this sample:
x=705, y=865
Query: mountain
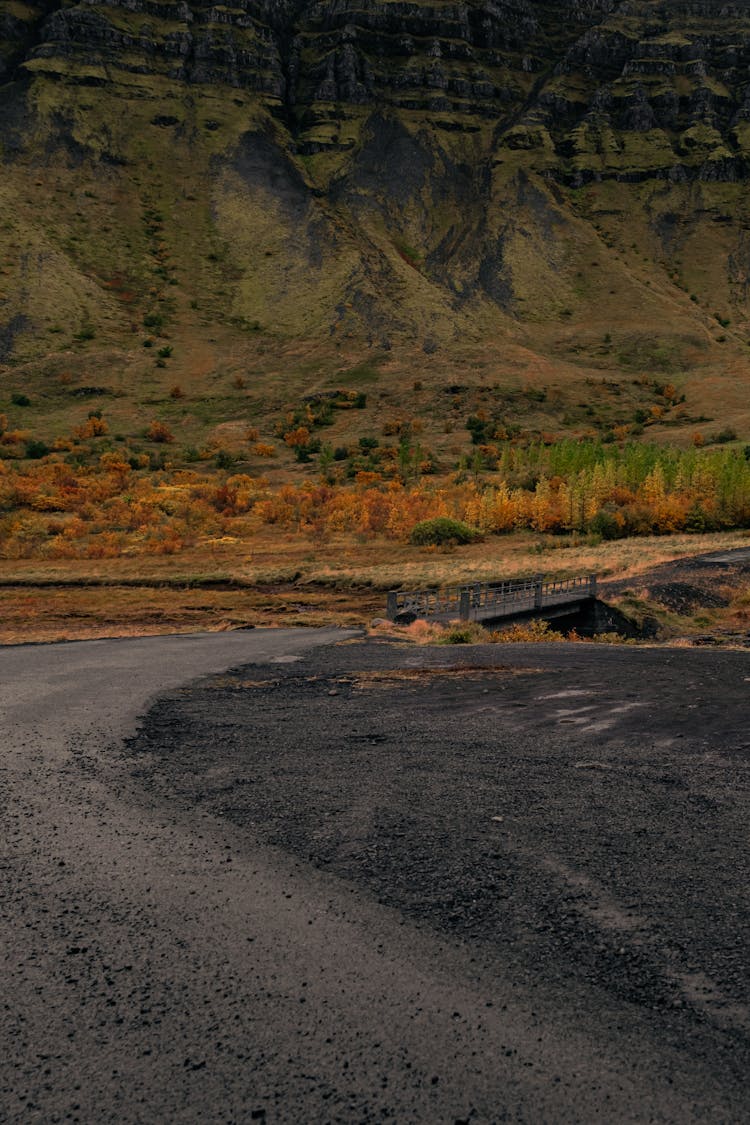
x=282, y=195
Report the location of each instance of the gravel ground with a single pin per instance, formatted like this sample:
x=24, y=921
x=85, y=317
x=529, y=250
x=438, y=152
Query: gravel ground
x=574, y=814
x=699, y=584
x=374, y=882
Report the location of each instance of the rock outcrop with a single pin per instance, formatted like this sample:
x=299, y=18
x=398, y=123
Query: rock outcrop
x=630, y=89
x=413, y=164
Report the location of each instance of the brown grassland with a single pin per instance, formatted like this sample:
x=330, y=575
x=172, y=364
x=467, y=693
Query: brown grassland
x=281, y=579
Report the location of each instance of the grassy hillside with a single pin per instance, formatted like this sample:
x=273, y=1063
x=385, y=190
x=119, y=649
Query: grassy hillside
x=538, y=215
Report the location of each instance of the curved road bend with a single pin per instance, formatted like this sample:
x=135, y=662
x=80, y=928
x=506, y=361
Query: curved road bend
x=158, y=965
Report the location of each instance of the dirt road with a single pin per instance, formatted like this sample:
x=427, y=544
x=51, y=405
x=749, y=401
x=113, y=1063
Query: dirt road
x=369, y=883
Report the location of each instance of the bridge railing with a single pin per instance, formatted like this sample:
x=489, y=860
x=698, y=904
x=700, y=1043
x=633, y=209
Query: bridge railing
x=485, y=600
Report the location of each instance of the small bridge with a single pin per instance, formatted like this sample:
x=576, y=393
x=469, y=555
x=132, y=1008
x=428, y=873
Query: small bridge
x=486, y=602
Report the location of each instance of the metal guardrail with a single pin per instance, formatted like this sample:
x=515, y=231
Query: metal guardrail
x=486, y=600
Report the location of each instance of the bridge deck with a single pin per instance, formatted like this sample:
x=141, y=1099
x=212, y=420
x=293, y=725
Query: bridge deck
x=491, y=601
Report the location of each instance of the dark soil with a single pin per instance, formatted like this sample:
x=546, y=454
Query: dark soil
x=373, y=882
x=576, y=813
x=691, y=587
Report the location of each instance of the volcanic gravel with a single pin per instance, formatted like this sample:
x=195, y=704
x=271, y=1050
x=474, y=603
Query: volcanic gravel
x=574, y=813
x=373, y=882
x=698, y=582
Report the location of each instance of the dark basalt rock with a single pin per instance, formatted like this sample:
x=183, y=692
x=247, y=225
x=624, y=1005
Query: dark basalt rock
x=352, y=130
x=8, y=332
x=647, y=66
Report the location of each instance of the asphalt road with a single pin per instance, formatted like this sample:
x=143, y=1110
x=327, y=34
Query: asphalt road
x=369, y=883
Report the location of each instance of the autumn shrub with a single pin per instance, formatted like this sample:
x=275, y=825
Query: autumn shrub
x=608, y=639
x=115, y=462
x=159, y=432
x=224, y=459
x=464, y=633
x=569, y=488
x=107, y=545
x=297, y=437
x=423, y=632
x=528, y=632
x=640, y=520
x=14, y=437
x=94, y=426
x=607, y=524
x=263, y=449
x=443, y=531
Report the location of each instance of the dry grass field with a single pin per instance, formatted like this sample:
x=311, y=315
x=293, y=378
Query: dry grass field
x=280, y=578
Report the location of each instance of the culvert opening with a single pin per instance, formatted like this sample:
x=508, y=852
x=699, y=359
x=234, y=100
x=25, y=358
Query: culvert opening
x=596, y=618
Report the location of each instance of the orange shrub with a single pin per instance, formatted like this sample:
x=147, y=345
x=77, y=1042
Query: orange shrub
x=105, y=546
x=159, y=432
x=262, y=449
x=297, y=438
x=61, y=547
x=93, y=427
x=236, y=495
x=114, y=463
x=15, y=437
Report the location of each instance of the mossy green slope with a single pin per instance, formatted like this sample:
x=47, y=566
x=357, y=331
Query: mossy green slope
x=517, y=192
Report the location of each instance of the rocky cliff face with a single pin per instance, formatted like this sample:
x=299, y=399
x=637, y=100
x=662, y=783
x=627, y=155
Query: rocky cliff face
x=442, y=169
x=598, y=87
